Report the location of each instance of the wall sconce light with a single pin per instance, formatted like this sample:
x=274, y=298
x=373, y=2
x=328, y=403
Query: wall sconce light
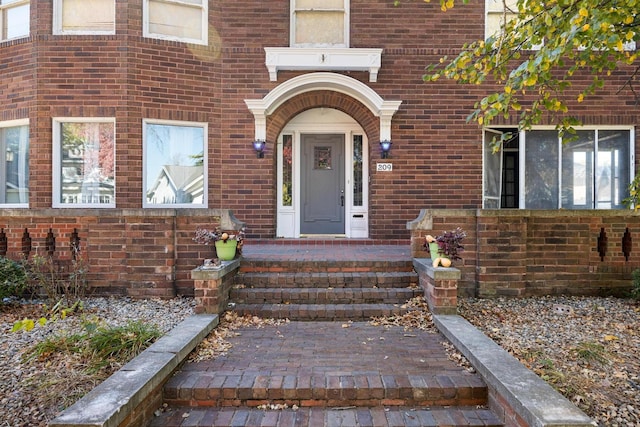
x=258, y=145
x=9, y=155
x=385, y=147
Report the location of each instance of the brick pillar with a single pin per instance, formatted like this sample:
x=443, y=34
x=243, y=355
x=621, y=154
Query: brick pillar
x=212, y=286
x=440, y=286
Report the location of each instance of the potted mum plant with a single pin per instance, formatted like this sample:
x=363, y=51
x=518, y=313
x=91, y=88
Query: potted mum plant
x=445, y=247
x=226, y=244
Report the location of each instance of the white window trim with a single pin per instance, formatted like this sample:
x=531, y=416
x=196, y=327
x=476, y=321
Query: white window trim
x=595, y=128
x=205, y=162
x=4, y=7
x=57, y=161
x=10, y=124
x=205, y=23
x=292, y=27
x=57, y=22
x=522, y=157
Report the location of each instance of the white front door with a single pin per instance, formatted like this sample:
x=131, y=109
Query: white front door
x=322, y=176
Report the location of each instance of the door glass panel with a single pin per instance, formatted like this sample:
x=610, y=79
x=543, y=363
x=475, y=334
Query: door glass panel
x=492, y=173
x=541, y=170
x=612, y=169
x=287, y=170
x=577, y=171
x=357, y=170
x=322, y=158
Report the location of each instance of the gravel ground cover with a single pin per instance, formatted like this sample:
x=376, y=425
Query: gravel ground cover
x=587, y=348
x=33, y=392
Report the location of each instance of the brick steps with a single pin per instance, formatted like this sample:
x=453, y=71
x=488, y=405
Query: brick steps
x=333, y=266
x=335, y=373
x=324, y=290
x=320, y=280
x=320, y=312
x=323, y=295
x=360, y=390
x=337, y=417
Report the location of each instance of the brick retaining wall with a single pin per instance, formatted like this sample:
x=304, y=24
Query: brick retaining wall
x=134, y=252
x=528, y=252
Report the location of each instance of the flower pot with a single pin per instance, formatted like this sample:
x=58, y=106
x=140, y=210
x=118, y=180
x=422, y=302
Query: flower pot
x=434, y=249
x=226, y=249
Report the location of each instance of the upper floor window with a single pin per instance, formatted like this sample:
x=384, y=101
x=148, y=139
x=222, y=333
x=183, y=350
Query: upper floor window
x=84, y=16
x=179, y=20
x=174, y=164
x=14, y=163
x=498, y=13
x=14, y=19
x=537, y=170
x=319, y=23
x=83, y=162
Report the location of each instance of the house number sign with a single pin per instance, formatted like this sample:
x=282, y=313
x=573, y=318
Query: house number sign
x=384, y=167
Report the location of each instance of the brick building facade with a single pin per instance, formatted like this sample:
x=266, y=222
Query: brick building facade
x=122, y=115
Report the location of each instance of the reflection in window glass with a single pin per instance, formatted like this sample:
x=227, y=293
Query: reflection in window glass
x=87, y=163
x=357, y=170
x=541, y=166
x=287, y=170
x=14, y=19
x=14, y=165
x=577, y=171
x=612, y=169
x=174, y=164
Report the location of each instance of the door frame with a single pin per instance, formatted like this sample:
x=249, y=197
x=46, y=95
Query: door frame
x=323, y=121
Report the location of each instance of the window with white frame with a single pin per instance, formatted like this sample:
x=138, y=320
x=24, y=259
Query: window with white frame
x=174, y=164
x=498, y=13
x=319, y=23
x=14, y=163
x=84, y=16
x=591, y=171
x=14, y=19
x=83, y=162
x=179, y=20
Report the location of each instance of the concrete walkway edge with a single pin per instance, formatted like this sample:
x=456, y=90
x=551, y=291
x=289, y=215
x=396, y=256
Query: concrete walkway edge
x=535, y=401
x=115, y=399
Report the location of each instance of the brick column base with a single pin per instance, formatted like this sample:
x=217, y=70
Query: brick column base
x=211, y=287
x=440, y=286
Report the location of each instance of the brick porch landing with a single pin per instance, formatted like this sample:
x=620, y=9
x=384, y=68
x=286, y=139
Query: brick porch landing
x=318, y=249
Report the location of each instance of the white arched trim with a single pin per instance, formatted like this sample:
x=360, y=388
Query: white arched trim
x=262, y=108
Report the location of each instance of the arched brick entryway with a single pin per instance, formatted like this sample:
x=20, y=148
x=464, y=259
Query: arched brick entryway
x=327, y=99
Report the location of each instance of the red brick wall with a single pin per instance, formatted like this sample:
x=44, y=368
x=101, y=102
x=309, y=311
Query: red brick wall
x=436, y=155
x=526, y=252
x=141, y=253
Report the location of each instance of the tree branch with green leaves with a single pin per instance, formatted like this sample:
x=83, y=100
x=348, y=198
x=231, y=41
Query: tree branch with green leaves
x=537, y=54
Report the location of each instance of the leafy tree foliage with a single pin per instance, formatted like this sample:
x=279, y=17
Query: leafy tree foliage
x=536, y=56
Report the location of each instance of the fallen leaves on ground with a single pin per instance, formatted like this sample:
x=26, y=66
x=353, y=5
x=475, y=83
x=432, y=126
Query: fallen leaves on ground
x=216, y=343
x=587, y=348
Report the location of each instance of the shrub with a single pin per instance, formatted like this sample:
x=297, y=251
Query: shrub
x=13, y=279
x=635, y=290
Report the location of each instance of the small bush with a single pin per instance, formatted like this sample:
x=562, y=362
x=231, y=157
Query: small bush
x=635, y=290
x=99, y=346
x=123, y=342
x=13, y=279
